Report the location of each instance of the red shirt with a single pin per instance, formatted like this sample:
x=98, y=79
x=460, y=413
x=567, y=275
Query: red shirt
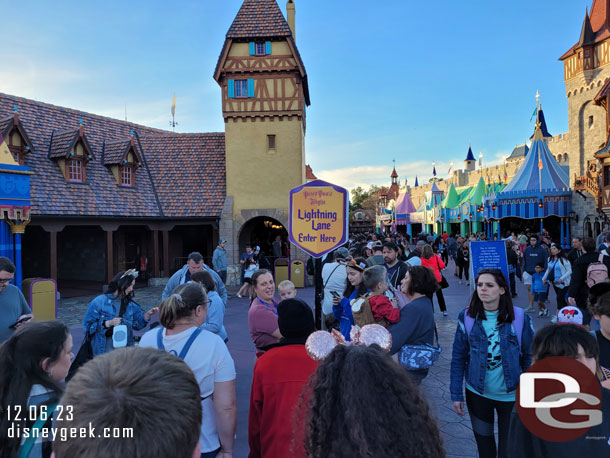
x=383, y=308
x=279, y=377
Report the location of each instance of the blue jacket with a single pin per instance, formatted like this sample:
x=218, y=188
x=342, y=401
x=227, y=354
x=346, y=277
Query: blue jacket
x=343, y=312
x=106, y=307
x=469, y=359
x=180, y=276
x=219, y=259
x=215, y=316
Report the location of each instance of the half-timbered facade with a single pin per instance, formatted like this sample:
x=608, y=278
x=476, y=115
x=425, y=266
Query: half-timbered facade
x=264, y=98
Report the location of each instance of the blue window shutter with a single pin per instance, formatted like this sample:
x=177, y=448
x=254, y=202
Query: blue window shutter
x=231, y=89
x=250, y=87
x=252, y=48
x=267, y=47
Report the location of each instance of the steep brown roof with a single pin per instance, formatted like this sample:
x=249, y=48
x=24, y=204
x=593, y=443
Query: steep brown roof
x=62, y=142
x=100, y=195
x=309, y=175
x=259, y=19
x=188, y=171
x=595, y=28
x=114, y=152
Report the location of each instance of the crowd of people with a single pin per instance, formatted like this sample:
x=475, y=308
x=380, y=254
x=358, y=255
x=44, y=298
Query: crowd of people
x=176, y=387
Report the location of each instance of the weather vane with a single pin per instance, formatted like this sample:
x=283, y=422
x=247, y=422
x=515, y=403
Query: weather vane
x=173, y=122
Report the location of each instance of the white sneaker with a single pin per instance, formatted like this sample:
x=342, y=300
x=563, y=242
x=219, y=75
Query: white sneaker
x=444, y=313
x=554, y=319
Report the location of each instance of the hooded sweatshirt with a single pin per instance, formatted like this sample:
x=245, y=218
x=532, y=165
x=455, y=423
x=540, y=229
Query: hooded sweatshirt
x=534, y=255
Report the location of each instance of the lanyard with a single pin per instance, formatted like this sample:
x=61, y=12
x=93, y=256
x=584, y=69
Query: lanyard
x=273, y=307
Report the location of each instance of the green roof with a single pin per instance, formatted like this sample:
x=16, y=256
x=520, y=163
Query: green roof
x=452, y=199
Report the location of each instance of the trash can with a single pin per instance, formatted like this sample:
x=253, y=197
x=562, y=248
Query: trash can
x=41, y=294
x=281, y=270
x=297, y=273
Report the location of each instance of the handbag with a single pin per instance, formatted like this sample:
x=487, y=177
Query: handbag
x=85, y=353
x=418, y=357
x=443, y=283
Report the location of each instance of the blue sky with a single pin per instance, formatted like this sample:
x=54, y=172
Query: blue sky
x=405, y=80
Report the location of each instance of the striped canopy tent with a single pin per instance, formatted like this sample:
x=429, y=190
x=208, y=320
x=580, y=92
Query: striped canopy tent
x=539, y=189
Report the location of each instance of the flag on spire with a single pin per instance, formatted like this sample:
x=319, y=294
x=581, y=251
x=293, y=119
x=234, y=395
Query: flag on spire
x=433, y=169
x=450, y=168
x=416, y=183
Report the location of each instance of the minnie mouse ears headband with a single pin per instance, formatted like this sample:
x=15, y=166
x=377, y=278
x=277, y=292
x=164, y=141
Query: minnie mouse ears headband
x=132, y=272
x=321, y=343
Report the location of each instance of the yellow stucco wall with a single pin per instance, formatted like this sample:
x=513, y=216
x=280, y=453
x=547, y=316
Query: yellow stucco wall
x=252, y=167
x=278, y=48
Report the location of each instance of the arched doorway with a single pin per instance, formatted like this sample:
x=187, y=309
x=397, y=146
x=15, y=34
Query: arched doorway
x=587, y=229
x=262, y=231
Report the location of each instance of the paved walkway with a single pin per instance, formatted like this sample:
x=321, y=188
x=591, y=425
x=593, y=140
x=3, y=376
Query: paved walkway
x=456, y=431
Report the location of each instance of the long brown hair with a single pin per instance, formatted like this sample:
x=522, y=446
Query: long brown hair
x=506, y=312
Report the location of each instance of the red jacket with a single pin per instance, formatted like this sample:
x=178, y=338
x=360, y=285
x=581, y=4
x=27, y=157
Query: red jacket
x=383, y=308
x=436, y=264
x=279, y=377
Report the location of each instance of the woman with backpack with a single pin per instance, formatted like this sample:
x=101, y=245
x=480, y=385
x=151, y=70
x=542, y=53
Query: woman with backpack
x=490, y=350
x=558, y=273
x=181, y=333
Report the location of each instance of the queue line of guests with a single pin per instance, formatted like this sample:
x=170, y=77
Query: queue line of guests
x=504, y=348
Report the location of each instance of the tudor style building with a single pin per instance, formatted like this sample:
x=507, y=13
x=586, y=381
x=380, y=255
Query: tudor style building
x=93, y=195
x=264, y=97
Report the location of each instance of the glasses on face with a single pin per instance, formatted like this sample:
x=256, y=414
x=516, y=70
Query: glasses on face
x=5, y=281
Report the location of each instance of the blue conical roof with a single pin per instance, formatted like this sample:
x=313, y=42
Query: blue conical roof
x=470, y=156
x=529, y=178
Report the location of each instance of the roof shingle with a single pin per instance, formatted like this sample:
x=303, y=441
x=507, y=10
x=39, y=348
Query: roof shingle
x=259, y=19
x=187, y=158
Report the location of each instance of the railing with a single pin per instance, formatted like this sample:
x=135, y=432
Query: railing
x=586, y=183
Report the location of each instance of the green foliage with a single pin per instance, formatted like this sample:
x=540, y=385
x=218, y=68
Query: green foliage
x=361, y=198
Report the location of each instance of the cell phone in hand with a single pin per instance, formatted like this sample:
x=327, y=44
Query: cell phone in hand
x=335, y=294
x=19, y=321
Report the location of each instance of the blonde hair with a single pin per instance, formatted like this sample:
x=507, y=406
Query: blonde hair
x=287, y=284
x=182, y=303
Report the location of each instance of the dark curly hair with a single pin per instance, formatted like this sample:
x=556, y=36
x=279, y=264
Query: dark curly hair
x=362, y=404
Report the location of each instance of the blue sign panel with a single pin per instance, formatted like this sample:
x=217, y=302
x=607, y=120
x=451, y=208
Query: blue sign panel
x=488, y=255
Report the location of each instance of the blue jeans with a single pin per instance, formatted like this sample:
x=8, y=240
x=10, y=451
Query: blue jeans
x=210, y=454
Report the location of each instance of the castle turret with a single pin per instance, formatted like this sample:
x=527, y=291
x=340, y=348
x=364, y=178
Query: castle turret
x=470, y=162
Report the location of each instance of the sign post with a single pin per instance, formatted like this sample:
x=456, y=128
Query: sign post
x=318, y=225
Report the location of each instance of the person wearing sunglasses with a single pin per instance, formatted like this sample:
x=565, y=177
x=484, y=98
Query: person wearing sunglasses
x=14, y=310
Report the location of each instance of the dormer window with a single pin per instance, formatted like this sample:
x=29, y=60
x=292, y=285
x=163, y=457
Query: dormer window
x=72, y=151
x=127, y=176
x=76, y=170
x=123, y=158
x=16, y=138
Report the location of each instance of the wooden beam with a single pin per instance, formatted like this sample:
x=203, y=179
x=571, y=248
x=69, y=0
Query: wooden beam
x=166, y=253
x=53, y=260
x=109, y=258
x=156, y=253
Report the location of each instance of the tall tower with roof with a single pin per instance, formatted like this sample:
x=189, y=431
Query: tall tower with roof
x=264, y=97
x=470, y=162
x=586, y=67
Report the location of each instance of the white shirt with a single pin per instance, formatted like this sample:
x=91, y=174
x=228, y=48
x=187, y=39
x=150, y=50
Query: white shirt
x=334, y=281
x=210, y=361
